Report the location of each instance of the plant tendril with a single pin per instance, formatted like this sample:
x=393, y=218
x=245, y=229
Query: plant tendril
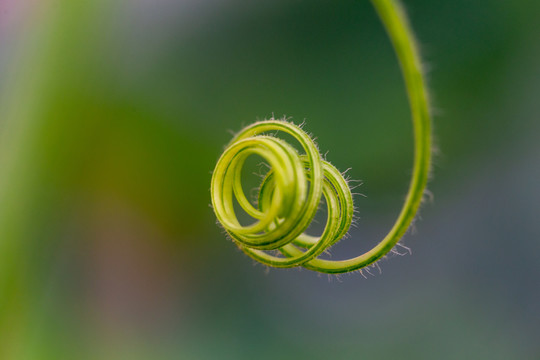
x=291, y=191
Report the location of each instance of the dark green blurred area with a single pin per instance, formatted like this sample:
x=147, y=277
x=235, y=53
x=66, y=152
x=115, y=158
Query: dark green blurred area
x=113, y=114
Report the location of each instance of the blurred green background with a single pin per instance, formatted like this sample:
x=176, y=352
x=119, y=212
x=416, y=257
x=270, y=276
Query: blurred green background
x=113, y=114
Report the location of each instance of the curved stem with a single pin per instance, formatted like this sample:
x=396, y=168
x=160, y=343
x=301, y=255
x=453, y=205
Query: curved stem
x=290, y=231
x=400, y=33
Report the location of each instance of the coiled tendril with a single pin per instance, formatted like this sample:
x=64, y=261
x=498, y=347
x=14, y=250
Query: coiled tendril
x=291, y=191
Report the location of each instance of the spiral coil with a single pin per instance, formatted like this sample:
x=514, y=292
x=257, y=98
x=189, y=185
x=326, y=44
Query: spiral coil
x=290, y=193
x=288, y=199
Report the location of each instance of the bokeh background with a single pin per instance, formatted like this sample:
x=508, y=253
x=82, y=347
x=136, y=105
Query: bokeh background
x=113, y=114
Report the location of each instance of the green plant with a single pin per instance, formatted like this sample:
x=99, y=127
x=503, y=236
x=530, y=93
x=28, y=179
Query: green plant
x=287, y=203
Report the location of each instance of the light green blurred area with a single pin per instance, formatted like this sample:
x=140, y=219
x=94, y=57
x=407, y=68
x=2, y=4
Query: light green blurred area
x=113, y=113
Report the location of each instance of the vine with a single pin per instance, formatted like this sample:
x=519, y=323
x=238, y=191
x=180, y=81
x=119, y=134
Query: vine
x=291, y=191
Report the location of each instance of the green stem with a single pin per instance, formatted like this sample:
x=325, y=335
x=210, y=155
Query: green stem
x=400, y=33
x=287, y=204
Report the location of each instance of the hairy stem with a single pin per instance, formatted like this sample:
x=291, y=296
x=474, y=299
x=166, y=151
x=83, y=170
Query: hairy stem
x=287, y=204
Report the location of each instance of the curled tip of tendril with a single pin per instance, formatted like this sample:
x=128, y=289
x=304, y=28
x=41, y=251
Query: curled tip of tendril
x=291, y=191
x=288, y=199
